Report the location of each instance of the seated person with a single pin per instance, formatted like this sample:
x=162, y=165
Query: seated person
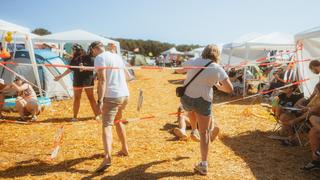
x=287, y=99
x=314, y=139
x=308, y=107
x=184, y=122
x=26, y=102
x=277, y=81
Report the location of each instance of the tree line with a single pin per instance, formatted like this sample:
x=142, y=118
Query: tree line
x=149, y=46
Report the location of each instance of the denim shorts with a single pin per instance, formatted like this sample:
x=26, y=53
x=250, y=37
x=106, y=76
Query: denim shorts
x=198, y=105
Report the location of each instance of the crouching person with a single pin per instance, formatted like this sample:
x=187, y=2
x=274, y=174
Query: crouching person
x=26, y=102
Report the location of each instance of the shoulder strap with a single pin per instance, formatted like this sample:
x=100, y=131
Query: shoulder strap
x=197, y=74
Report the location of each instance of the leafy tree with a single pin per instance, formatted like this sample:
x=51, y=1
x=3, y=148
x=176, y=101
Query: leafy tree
x=155, y=47
x=41, y=31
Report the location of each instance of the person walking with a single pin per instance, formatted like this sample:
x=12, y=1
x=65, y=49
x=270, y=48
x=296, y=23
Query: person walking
x=113, y=96
x=198, y=96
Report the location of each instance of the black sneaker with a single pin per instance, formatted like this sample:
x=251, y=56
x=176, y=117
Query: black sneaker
x=313, y=165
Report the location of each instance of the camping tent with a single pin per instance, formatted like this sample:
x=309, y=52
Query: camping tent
x=21, y=31
x=310, y=41
x=76, y=36
x=139, y=60
x=63, y=88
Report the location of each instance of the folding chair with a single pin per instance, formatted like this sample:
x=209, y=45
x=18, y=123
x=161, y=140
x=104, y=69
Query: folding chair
x=302, y=128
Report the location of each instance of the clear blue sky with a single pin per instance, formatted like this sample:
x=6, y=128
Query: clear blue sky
x=174, y=21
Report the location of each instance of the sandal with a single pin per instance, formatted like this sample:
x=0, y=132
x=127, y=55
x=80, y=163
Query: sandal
x=102, y=168
x=313, y=165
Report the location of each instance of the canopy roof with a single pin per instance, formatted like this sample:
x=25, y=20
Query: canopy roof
x=75, y=36
x=249, y=48
x=7, y=26
x=172, y=51
x=241, y=40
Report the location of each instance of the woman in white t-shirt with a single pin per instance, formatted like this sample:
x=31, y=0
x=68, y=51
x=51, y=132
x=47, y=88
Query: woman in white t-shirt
x=198, y=96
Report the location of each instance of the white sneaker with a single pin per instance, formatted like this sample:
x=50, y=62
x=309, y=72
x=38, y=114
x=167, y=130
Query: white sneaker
x=203, y=170
x=98, y=118
x=180, y=133
x=34, y=118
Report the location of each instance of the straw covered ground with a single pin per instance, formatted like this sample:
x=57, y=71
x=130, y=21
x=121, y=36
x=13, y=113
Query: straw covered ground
x=241, y=152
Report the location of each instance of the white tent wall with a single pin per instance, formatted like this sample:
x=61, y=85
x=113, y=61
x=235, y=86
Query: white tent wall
x=310, y=40
x=59, y=89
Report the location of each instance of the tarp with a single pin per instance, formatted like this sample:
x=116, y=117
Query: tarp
x=76, y=36
x=310, y=41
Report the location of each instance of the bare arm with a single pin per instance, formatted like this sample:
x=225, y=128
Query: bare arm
x=62, y=75
x=225, y=86
x=19, y=88
x=101, y=73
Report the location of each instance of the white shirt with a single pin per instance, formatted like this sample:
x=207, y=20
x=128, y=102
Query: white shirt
x=116, y=79
x=202, y=85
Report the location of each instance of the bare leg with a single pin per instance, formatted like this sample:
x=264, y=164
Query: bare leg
x=20, y=104
x=93, y=104
x=120, y=128
x=33, y=108
x=107, y=143
x=204, y=125
x=193, y=120
x=76, y=102
x=314, y=142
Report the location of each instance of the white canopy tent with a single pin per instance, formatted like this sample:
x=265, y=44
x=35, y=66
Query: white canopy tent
x=232, y=53
x=310, y=41
x=22, y=31
x=256, y=48
x=172, y=51
x=76, y=36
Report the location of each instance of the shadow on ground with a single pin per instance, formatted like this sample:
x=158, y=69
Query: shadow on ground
x=36, y=167
x=267, y=159
x=62, y=120
x=139, y=172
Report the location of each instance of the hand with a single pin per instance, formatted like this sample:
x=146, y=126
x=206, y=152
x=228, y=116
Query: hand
x=57, y=78
x=305, y=109
x=81, y=67
x=219, y=86
x=99, y=106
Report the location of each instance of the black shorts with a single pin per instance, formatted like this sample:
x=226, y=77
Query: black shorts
x=86, y=82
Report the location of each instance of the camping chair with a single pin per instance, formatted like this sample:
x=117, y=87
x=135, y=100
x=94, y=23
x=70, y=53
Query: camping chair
x=301, y=128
